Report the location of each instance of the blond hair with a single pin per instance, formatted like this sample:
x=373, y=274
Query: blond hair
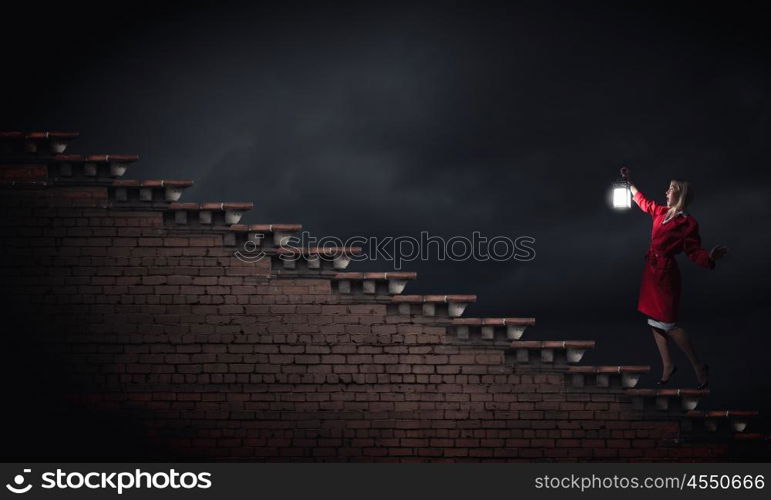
x=683, y=196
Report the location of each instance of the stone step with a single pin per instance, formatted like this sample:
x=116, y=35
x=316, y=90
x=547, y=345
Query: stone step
x=22, y=183
x=21, y=174
x=147, y=193
x=605, y=376
x=431, y=305
x=389, y=283
x=90, y=169
x=491, y=328
x=550, y=351
x=261, y=235
x=715, y=420
x=753, y=436
x=260, y=240
x=68, y=169
x=205, y=214
x=35, y=142
x=661, y=399
x=309, y=259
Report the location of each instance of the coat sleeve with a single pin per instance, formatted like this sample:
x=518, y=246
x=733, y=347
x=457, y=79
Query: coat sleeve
x=692, y=247
x=646, y=205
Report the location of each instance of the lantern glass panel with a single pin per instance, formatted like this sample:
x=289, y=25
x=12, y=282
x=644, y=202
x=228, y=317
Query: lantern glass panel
x=622, y=196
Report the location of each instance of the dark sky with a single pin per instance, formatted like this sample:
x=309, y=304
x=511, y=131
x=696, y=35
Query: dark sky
x=453, y=118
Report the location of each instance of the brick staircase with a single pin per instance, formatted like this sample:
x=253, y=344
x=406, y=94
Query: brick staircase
x=158, y=316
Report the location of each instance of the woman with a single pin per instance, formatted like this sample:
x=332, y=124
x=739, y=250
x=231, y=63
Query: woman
x=674, y=231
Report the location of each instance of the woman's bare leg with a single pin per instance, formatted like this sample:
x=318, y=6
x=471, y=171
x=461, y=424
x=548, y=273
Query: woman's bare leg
x=662, y=342
x=681, y=338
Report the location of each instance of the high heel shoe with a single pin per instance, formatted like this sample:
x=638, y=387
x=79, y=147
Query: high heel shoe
x=704, y=384
x=664, y=382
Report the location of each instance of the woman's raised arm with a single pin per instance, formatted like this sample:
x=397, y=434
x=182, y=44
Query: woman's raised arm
x=626, y=173
x=646, y=205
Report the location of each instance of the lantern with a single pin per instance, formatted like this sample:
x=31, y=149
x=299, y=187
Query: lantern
x=621, y=195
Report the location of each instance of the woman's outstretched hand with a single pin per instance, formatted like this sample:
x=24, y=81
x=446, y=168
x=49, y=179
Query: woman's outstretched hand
x=718, y=253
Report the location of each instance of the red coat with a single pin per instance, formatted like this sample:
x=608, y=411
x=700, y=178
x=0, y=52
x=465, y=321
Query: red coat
x=660, y=287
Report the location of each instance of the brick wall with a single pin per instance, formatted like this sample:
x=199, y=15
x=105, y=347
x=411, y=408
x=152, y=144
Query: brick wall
x=132, y=337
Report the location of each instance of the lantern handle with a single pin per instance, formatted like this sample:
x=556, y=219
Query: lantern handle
x=625, y=173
